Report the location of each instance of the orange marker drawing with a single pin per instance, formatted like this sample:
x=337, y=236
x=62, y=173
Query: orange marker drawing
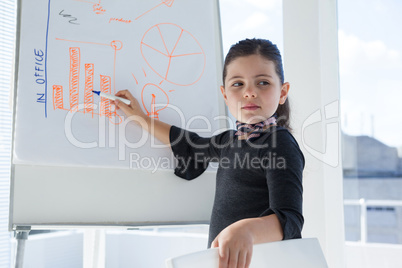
x=164, y=54
x=57, y=97
x=89, y=86
x=167, y=3
x=119, y=20
x=74, y=77
x=98, y=9
x=136, y=81
x=151, y=96
x=105, y=87
x=116, y=45
x=185, y=50
x=96, y=5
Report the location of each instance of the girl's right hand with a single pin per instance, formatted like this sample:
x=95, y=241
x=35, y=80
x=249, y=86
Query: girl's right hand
x=133, y=108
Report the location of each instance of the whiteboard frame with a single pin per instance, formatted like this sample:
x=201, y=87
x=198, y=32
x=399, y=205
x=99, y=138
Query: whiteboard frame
x=39, y=209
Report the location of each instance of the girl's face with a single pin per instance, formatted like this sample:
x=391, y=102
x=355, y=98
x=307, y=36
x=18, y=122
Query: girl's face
x=253, y=89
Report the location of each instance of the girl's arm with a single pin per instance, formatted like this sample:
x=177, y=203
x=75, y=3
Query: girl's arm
x=236, y=241
x=158, y=129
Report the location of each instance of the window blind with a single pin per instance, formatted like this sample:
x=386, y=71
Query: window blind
x=7, y=33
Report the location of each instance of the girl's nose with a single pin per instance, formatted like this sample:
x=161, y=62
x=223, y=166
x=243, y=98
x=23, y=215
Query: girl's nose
x=250, y=92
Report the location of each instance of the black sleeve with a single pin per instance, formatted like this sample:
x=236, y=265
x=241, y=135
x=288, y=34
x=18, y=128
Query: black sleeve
x=284, y=167
x=193, y=153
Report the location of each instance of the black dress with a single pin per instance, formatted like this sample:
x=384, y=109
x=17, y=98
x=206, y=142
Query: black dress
x=255, y=178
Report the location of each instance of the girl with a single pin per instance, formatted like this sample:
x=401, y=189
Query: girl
x=259, y=180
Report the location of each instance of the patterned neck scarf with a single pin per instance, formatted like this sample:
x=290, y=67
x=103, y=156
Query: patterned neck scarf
x=254, y=129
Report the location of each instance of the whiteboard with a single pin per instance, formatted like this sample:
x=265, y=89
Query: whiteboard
x=164, y=52
x=77, y=161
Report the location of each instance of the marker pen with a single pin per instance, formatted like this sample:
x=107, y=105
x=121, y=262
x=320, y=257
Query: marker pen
x=111, y=97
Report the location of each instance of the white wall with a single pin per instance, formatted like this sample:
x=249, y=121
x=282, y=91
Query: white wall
x=139, y=249
x=373, y=255
x=59, y=249
x=311, y=60
x=147, y=249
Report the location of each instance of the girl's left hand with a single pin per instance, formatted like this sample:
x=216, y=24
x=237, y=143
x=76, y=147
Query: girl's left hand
x=235, y=244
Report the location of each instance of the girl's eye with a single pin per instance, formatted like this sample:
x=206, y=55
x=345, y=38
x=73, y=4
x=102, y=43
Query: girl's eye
x=263, y=83
x=237, y=84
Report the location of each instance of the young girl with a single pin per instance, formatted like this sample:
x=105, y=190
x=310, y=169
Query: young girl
x=259, y=180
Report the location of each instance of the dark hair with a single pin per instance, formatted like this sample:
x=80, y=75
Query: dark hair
x=269, y=51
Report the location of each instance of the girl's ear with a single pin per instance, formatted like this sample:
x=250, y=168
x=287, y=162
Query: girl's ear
x=223, y=93
x=284, y=92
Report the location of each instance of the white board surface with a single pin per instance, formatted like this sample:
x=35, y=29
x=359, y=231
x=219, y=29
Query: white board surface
x=163, y=52
x=76, y=161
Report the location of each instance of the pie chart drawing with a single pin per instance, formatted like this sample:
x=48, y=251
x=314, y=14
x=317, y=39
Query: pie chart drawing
x=173, y=54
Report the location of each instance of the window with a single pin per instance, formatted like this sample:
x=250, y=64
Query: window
x=371, y=89
x=242, y=19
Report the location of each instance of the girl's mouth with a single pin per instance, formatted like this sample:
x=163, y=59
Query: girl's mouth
x=250, y=106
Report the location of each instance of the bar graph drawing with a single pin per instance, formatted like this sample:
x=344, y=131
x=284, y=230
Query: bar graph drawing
x=86, y=97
